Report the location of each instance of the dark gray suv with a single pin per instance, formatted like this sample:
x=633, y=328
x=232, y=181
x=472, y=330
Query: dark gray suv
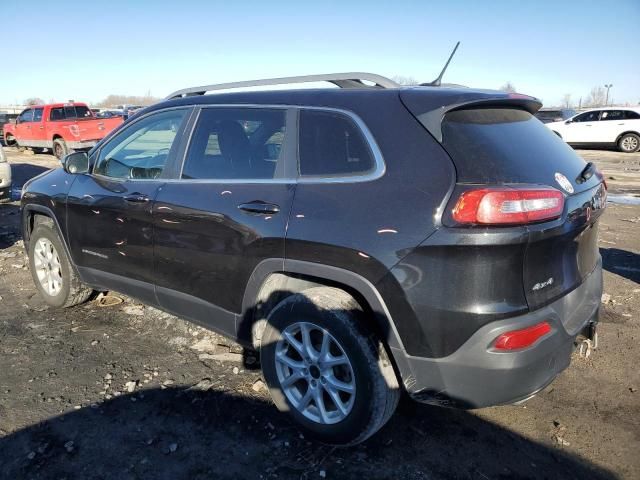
x=368, y=240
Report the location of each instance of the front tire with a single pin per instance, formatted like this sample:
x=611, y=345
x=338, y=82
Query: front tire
x=51, y=270
x=325, y=368
x=629, y=143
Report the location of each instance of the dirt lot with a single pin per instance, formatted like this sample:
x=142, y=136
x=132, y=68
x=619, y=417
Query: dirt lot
x=128, y=392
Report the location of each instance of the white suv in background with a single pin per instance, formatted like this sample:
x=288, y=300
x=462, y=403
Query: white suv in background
x=602, y=126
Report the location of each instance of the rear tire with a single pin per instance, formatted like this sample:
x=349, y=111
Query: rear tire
x=60, y=149
x=358, y=395
x=629, y=143
x=51, y=270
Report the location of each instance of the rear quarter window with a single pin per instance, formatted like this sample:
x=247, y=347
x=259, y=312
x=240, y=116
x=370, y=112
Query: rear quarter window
x=331, y=144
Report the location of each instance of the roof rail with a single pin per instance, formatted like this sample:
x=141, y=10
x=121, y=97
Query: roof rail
x=342, y=80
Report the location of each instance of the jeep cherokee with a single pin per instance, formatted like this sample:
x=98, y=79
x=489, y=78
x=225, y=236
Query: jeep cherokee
x=368, y=239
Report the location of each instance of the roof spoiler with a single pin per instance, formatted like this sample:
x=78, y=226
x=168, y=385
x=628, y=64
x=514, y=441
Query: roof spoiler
x=431, y=116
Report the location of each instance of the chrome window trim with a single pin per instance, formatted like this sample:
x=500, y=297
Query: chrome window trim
x=376, y=173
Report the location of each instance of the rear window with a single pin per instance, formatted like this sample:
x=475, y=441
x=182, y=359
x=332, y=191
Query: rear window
x=502, y=145
x=70, y=113
x=331, y=144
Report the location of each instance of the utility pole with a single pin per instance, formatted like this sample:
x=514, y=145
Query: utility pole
x=606, y=102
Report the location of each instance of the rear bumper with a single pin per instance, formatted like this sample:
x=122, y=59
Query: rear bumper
x=81, y=145
x=474, y=376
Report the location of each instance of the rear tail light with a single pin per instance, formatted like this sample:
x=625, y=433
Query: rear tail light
x=518, y=339
x=508, y=206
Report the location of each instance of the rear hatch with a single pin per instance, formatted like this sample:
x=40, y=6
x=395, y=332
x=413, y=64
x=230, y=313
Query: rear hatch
x=499, y=143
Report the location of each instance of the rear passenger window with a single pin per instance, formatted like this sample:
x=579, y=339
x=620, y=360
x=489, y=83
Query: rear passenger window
x=631, y=115
x=331, y=144
x=236, y=143
x=612, y=115
x=56, y=114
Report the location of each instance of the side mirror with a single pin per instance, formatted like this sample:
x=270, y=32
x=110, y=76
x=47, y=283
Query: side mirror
x=76, y=163
x=568, y=122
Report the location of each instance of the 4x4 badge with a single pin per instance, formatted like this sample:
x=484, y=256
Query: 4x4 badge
x=564, y=182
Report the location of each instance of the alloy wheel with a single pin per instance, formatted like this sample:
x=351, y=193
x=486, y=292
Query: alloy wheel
x=47, y=265
x=630, y=144
x=315, y=373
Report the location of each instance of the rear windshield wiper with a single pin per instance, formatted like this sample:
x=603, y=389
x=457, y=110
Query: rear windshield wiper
x=586, y=173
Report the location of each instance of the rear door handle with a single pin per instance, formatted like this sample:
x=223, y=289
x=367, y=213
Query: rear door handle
x=259, y=207
x=136, y=198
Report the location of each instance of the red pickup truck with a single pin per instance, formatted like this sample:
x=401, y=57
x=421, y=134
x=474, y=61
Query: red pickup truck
x=63, y=127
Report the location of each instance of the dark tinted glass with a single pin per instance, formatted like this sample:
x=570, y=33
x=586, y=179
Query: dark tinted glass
x=588, y=117
x=549, y=115
x=141, y=151
x=56, y=114
x=75, y=112
x=238, y=143
x=26, y=116
x=506, y=146
x=631, y=115
x=331, y=144
x=37, y=115
x=612, y=115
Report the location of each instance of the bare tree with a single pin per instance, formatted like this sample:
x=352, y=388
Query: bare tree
x=33, y=101
x=596, y=97
x=508, y=87
x=114, y=100
x=403, y=80
x=566, y=100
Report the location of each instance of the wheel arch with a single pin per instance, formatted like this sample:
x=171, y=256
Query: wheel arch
x=273, y=280
x=634, y=132
x=29, y=221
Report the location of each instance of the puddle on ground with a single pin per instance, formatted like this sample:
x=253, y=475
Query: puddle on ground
x=623, y=199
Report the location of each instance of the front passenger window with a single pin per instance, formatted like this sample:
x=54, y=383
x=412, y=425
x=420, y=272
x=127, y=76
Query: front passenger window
x=588, y=116
x=141, y=151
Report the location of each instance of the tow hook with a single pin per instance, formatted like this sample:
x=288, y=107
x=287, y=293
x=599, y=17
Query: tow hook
x=589, y=339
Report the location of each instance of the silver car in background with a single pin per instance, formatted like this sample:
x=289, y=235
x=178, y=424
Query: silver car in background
x=5, y=178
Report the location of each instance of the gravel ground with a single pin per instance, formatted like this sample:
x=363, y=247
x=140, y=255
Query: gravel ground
x=125, y=391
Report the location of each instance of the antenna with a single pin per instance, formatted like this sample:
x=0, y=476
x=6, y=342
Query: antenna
x=438, y=81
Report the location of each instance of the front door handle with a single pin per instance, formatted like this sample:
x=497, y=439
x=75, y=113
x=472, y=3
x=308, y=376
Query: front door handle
x=136, y=198
x=259, y=207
